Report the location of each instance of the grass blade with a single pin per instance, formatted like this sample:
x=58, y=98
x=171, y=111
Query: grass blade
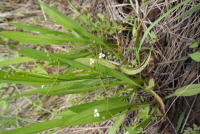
x=180, y=120
x=138, y=69
x=107, y=109
x=117, y=124
x=37, y=29
x=193, y=9
x=70, y=24
x=25, y=78
x=39, y=39
x=107, y=71
x=38, y=127
x=186, y=91
x=16, y=61
x=40, y=55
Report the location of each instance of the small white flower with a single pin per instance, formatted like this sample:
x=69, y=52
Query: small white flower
x=101, y=55
x=91, y=61
x=96, y=114
x=42, y=86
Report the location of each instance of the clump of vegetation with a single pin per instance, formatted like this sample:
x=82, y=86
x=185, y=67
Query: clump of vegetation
x=195, y=130
x=86, y=71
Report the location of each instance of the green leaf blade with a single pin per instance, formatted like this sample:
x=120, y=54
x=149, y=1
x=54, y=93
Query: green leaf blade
x=186, y=91
x=80, y=32
x=107, y=109
x=118, y=75
x=117, y=124
x=63, y=20
x=190, y=11
x=37, y=39
x=195, y=56
x=37, y=29
x=37, y=127
x=26, y=78
x=16, y=61
x=138, y=69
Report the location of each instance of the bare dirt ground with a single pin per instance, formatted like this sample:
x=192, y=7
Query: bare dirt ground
x=172, y=43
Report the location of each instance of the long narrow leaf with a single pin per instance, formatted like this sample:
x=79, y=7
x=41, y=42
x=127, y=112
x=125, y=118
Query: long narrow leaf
x=118, y=75
x=186, y=91
x=180, y=120
x=49, y=56
x=70, y=24
x=85, y=114
x=68, y=88
x=107, y=109
x=25, y=78
x=106, y=63
x=16, y=61
x=138, y=69
x=38, y=127
x=37, y=29
x=32, y=79
x=82, y=90
x=193, y=9
x=117, y=124
x=39, y=39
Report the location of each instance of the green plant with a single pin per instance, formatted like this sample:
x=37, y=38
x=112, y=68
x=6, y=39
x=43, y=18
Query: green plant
x=195, y=56
x=86, y=71
x=195, y=130
x=100, y=74
x=103, y=26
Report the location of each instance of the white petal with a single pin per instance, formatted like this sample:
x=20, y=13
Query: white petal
x=101, y=55
x=95, y=110
x=91, y=61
